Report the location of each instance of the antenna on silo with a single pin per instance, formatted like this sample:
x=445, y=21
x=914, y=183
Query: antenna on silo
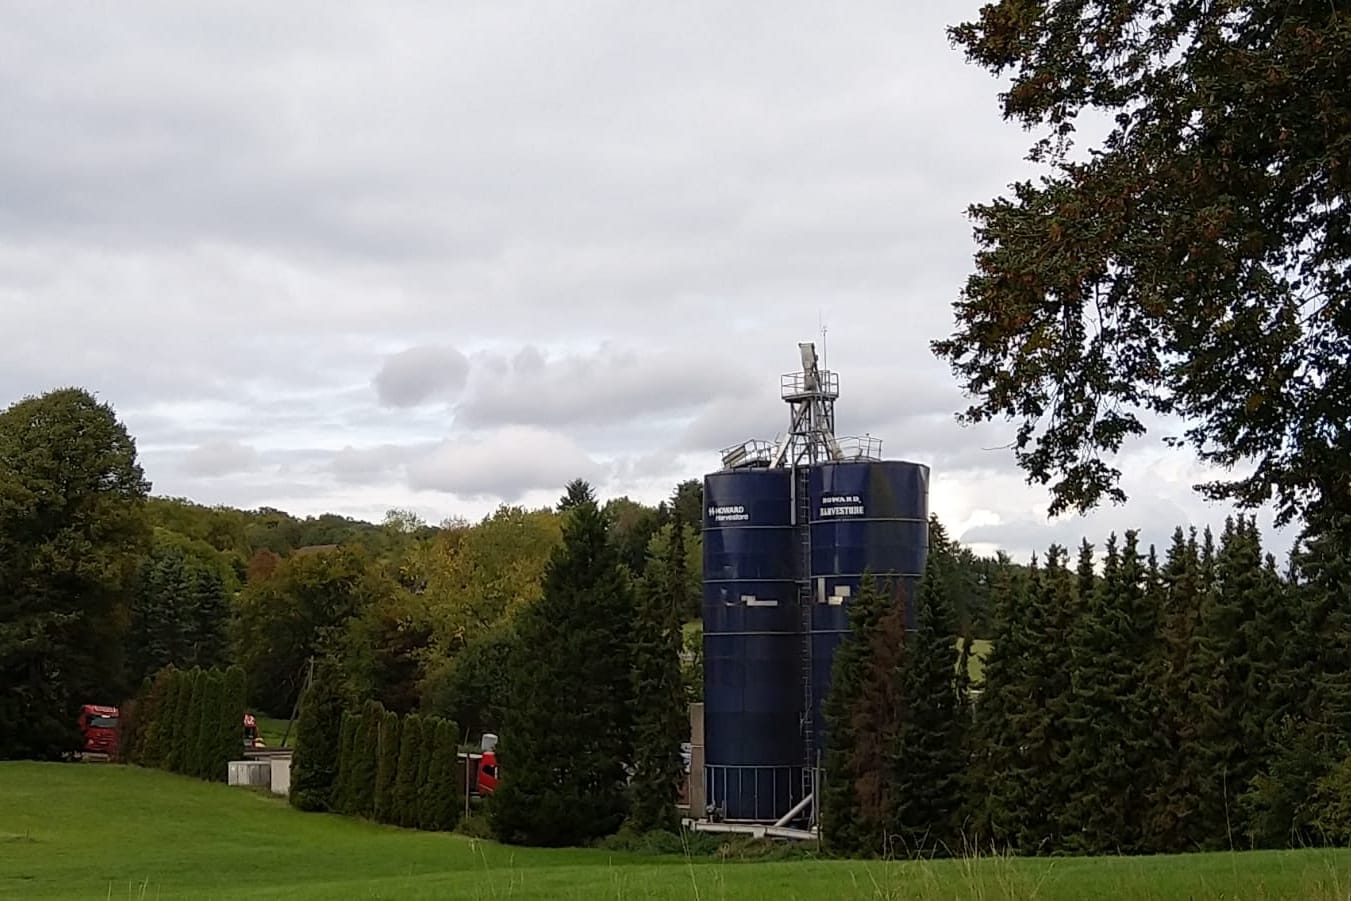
x=821, y=324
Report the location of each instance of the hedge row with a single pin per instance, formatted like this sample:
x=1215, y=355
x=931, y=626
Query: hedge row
x=390, y=769
x=188, y=722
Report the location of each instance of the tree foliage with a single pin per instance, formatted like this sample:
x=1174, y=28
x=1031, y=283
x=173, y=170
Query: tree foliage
x=661, y=721
x=1194, y=262
x=567, y=733
x=314, y=764
x=72, y=532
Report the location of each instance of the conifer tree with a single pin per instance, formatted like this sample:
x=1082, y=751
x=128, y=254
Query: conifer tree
x=364, y=771
x=445, y=778
x=995, y=790
x=170, y=740
x=1226, y=750
x=341, y=801
x=189, y=764
x=851, y=783
x=387, y=770
x=661, y=722
x=406, y=781
x=230, y=728
x=928, y=762
x=318, y=740
x=425, y=799
x=1175, y=797
x=1111, y=713
x=1023, y=728
x=159, y=703
x=208, y=766
x=568, y=733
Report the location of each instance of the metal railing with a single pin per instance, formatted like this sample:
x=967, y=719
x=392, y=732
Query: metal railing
x=800, y=384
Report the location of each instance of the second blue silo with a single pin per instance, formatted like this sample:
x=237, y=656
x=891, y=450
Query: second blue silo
x=866, y=516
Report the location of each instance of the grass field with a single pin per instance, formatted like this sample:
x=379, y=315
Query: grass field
x=107, y=832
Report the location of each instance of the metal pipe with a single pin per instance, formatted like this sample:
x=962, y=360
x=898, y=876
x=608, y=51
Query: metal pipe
x=797, y=809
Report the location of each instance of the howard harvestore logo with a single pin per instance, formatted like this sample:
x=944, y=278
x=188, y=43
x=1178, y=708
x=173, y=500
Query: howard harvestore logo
x=735, y=513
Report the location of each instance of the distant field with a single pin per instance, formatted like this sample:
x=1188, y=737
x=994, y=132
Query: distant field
x=272, y=731
x=107, y=832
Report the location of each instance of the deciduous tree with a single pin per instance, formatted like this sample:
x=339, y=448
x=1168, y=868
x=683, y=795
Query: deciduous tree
x=1193, y=262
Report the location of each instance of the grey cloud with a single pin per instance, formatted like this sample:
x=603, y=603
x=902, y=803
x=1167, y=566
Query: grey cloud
x=504, y=464
x=419, y=374
x=581, y=389
x=220, y=458
x=226, y=219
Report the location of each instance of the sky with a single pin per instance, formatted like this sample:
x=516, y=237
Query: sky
x=348, y=257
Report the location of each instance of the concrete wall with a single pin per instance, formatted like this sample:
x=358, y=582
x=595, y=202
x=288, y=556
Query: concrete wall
x=281, y=775
x=697, y=795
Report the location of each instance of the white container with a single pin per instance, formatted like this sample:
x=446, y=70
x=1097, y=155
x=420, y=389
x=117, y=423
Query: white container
x=249, y=772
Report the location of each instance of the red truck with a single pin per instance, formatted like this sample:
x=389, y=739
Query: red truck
x=99, y=729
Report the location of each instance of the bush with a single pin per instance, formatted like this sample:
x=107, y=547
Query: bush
x=426, y=798
x=341, y=800
x=318, y=733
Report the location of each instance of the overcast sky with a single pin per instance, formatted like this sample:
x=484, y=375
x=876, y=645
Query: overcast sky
x=343, y=257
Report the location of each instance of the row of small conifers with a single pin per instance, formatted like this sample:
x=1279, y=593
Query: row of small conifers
x=186, y=721
x=375, y=764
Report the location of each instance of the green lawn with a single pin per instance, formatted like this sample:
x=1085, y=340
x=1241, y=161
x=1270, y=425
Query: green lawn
x=100, y=831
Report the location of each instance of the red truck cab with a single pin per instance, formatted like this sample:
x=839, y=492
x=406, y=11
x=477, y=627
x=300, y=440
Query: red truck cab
x=99, y=729
x=487, y=773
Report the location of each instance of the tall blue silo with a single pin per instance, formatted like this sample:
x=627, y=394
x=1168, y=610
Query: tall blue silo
x=789, y=531
x=753, y=697
x=866, y=516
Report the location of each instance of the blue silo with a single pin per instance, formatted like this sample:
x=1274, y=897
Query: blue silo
x=752, y=647
x=865, y=517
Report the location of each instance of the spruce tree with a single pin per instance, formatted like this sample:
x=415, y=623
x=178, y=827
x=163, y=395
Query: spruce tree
x=387, y=769
x=1226, y=749
x=364, y=771
x=661, y=722
x=1041, y=715
x=1175, y=797
x=852, y=783
x=1020, y=768
x=1113, y=747
x=928, y=765
x=995, y=792
x=568, y=733
x=318, y=740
